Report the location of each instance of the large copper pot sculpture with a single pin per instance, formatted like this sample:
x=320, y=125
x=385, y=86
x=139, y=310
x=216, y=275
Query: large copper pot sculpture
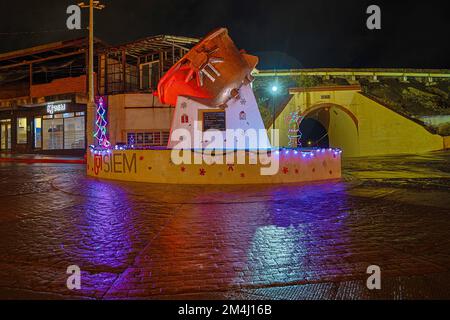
x=211, y=73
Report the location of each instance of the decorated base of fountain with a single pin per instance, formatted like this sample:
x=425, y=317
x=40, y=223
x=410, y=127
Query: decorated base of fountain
x=156, y=165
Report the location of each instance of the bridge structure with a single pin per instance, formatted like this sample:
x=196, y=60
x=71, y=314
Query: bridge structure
x=356, y=122
x=428, y=75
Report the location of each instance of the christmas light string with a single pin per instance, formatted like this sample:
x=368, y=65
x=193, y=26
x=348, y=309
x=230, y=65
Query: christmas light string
x=101, y=125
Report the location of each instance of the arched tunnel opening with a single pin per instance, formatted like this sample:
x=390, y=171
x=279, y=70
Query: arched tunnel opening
x=331, y=126
x=313, y=134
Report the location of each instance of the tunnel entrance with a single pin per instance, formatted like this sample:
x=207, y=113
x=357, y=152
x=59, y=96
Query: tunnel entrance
x=313, y=134
x=330, y=126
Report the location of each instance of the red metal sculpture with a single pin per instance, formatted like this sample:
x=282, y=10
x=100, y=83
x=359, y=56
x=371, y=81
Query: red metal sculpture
x=211, y=73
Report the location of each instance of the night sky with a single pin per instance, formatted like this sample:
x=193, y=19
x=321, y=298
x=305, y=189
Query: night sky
x=315, y=33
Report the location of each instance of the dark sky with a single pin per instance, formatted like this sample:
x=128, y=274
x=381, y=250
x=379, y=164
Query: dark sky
x=314, y=33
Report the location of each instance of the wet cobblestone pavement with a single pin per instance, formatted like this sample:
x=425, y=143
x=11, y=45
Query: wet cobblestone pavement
x=312, y=241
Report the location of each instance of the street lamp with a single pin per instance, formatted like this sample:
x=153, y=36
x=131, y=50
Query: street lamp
x=274, y=90
x=93, y=4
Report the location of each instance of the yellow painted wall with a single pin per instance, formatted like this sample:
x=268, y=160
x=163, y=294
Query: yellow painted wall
x=447, y=142
x=380, y=130
x=155, y=166
x=343, y=132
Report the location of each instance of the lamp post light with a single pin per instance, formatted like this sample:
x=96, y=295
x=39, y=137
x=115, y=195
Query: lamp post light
x=274, y=90
x=93, y=4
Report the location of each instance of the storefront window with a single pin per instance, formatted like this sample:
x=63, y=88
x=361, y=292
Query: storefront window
x=64, y=131
x=74, y=133
x=37, y=133
x=21, y=130
x=53, y=134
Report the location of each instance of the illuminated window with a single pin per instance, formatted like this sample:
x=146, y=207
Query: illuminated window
x=53, y=134
x=37, y=133
x=22, y=130
x=74, y=133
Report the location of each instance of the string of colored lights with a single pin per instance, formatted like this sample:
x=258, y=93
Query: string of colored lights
x=304, y=153
x=101, y=125
x=294, y=135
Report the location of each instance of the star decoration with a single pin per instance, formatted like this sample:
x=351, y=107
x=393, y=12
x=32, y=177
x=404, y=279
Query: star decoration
x=285, y=170
x=183, y=169
x=204, y=68
x=243, y=101
x=202, y=172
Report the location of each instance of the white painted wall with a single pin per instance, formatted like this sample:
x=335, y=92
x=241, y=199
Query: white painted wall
x=247, y=103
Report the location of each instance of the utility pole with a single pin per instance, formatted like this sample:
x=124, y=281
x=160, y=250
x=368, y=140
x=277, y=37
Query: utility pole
x=91, y=108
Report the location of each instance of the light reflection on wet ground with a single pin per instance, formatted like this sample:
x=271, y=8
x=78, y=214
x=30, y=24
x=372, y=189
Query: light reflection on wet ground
x=136, y=240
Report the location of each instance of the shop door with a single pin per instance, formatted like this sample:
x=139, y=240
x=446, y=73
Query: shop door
x=5, y=135
x=37, y=134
